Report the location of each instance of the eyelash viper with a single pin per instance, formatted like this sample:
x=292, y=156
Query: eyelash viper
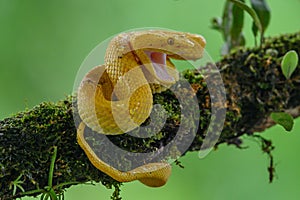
x=116, y=97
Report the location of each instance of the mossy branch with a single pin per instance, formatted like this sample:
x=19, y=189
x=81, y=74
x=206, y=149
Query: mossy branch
x=255, y=87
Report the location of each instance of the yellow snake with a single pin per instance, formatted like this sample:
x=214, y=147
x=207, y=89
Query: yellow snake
x=116, y=97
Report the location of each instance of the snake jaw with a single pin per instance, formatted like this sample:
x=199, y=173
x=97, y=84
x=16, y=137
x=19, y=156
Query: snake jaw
x=158, y=62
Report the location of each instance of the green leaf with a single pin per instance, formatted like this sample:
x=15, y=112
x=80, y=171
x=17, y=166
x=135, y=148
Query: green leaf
x=289, y=63
x=224, y=26
x=230, y=26
x=237, y=26
x=52, y=194
x=227, y=20
x=264, y=14
x=21, y=188
x=252, y=13
x=283, y=119
x=51, y=170
x=43, y=196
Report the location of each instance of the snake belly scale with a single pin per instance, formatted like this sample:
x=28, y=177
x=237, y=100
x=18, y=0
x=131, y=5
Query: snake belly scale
x=116, y=97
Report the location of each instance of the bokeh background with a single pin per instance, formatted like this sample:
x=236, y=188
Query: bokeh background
x=43, y=43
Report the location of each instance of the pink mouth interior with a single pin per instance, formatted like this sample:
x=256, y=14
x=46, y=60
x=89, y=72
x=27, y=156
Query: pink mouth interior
x=159, y=64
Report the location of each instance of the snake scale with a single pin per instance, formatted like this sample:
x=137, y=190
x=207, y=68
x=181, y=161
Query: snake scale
x=116, y=97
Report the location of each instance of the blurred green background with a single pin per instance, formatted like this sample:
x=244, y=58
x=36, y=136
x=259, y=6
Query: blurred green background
x=42, y=44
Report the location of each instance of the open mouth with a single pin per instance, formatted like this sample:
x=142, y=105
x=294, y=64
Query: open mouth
x=158, y=61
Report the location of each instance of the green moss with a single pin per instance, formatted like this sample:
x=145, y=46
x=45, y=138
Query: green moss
x=26, y=146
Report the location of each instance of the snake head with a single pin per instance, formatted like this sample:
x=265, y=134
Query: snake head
x=159, y=46
x=177, y=45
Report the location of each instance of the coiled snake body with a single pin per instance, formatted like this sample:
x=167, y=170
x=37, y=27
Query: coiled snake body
x=117, y=97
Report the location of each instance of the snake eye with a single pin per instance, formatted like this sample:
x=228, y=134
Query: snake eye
x=170, y=41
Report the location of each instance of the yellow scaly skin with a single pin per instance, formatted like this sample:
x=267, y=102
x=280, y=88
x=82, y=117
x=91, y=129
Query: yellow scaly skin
x=117, y=97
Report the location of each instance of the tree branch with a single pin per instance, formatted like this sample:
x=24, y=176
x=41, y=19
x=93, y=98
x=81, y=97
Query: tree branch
x=255, y=87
